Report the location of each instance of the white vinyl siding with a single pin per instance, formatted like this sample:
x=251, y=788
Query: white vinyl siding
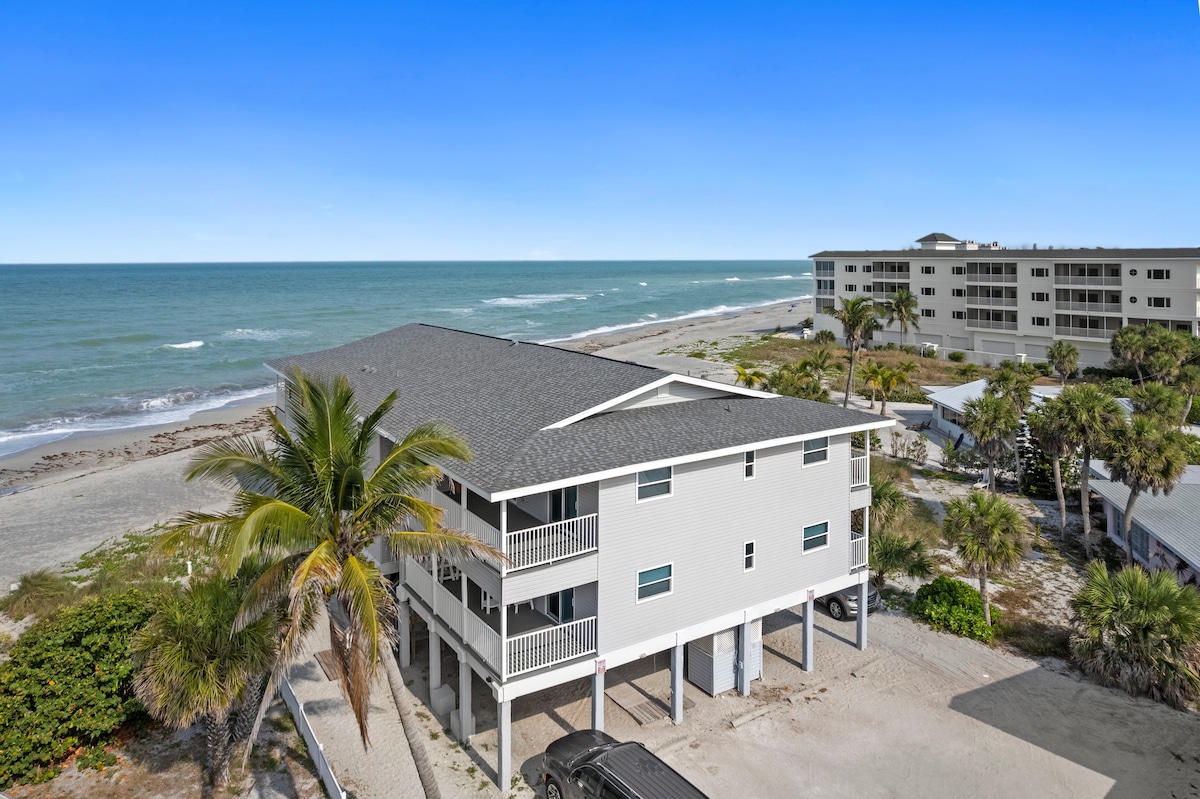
x=654, y=483
x=655, y=582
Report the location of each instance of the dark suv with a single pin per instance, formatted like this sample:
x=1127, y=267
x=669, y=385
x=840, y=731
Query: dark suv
x=592, y=765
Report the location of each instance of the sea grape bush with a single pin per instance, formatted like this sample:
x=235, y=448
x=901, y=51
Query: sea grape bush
x=66, y=686
x=949, y=604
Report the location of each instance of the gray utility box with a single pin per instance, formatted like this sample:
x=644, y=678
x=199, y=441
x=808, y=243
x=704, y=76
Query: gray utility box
x=712, y=660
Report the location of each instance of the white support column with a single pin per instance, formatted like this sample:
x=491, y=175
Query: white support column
x=806, y=658
x=598, y=701
x=743, y=655
x=504, y=745
x=463, y=610
x=466, y=720
x=404, y=628
x=677, y=684
x=862, y=616
x=435, y=659
x=503, y=532
x=503, y=640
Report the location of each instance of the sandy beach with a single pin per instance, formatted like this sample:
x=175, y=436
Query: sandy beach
x=61, y=499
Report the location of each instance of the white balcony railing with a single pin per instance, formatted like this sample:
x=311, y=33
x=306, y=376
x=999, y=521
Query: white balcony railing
x=860, y=471
x=1083, y=332
x=858, y=550
x=483, y=639
x=1086, y=280
x=457, y=519
x=549, y=542
x=449, y=608
x=553, y=645
x=1097, y=307
x=1010, y=302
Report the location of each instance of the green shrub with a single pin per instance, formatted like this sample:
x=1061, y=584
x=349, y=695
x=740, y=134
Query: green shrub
x=1045, y=368
x=1193, y=416
x=39, y=593
x=949, y=604
x=1118, y=387
x=957, y=356
x=825, y=337
x=67, y=686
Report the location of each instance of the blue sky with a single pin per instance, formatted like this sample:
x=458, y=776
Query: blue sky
x=486, y=130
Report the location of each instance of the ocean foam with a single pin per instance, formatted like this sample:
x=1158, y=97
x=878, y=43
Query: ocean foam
x=254, y=334
x=640, y=284
x=187, y=345
x=732, y=279
x=529, y=300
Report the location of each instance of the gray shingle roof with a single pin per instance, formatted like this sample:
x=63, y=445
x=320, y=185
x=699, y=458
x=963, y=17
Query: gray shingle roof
x=1091, y=255
x=937, y=237
x=1171, y=518
x=500, y=395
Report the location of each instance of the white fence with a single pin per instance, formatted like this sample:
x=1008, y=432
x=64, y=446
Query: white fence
x=552, y=645
x=858, y=550
x=315, y=748
x=549, y=542
x=860, y=471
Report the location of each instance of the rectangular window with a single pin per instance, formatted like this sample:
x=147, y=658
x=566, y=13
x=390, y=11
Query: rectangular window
x=1041, y=321
x=866, y=267
x=654, y=483
x=748, y=556
x=748, y=466
x=816, y=450
x=1041, y=296
x=1158, y=302
x=958, y=292
x=1158, y=274
x=959, y=314
x=851, y=267
x=850, y=287
x=958, y=270
x=1040, y=271
x=654, y=582
x=927, y=312
x=816, y=536
x=927, y=291
x=926, y=270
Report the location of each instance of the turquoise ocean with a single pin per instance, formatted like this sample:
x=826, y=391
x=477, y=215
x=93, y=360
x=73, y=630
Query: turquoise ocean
x=93, y=347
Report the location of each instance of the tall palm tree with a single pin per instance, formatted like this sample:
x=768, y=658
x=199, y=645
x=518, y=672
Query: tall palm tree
x=1188, y=382
x=194, y=664
x=890, y=381
x=1166, y=352
x=1064, y=357
x=1130, y=348
x=889, y=504
x=1049, y=428
x=988, y=533
x=896, y=553
x=1145, y=456
x=991, y=421
x=1017, y=388
x=857, y=317
x=817, y=365
x=1160, y=402
x=871, y=371
x=1087, y=413
x=1139, y=631
x=309, y=504
x=901, y=307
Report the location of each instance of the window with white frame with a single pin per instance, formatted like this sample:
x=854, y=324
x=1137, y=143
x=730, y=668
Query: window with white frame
x=959, y=314
x=1039, y=271
x=816, y=536
x=654, y=483
x=748, y=465
x=1158, y=274
x=958, y=270
x=958, y=292
x=654, y=582
x=1041, y=321
x=1041, y=296
x=748, y=556
x=851, y=288
x=1158, y=302
x=926, y=270
x=928, y=313
x=816, y=450
x=927, y=291
x=851, y=267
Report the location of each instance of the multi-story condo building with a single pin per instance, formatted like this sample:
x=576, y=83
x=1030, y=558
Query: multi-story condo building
x=639, y=510
x=1002, y=303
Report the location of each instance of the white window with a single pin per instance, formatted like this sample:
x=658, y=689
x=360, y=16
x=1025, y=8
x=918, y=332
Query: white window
x=851, y=267
x=958, y=292
x=654, y=483
x=850, y=287
x=748, y=556
x=816, y=536
x=1158, y=302
x=958, y=270
x=959, y=314
x=927, y=291
x=1158, y=274
x=1040, y=271
x=654, y=582
x=748, y=465
x=866, y=267
x=816, y=450
x=926, y=270
x=1041, y=296
x=1041, y=321
x=927, y=312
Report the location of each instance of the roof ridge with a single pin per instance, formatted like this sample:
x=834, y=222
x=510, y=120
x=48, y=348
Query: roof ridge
x=514, y=341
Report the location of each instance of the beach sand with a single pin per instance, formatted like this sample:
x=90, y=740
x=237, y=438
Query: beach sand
x=61, y=499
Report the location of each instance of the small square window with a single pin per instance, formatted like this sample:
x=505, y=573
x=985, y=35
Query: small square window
x=927, y=312
x=959, y=314
x=1158, y=274
x=748, y=556
x=851, y=267
x=958, y=270
x=748, y=466
x=654, y=483
x=958, y=292
x=926, y=270
x=816, y=450
x=866, y=267
x=1041, y=296
x=851, y=288
x=927, y=291
x=1040, y=271
x=654, y=582
x=1158, y=302
x=816, y=536
x=1041, y=321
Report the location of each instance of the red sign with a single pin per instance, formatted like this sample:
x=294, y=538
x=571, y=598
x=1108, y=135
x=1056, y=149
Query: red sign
x=811, y=595
x=601, y=667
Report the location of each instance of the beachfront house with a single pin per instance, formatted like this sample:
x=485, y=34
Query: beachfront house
x=641, y=511
x=949, y=406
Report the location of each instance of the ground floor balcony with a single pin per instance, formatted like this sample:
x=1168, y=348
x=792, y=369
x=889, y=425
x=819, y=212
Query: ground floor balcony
x=511, y=639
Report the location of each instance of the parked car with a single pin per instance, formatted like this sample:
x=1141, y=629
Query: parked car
x=590, y=764
x=844, y=604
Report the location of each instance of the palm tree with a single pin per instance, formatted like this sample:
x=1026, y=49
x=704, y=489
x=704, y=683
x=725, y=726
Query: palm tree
x=817, y=365
x=1087, y=413
x=896, y=553
x=988, y=533
x=890, y=381
x=1064, y=357
x=968, y=372
x=857, y=316
x=749, y=377
x=1145, y=456
x=889, y=504
x=1130, y=347
x=1188, y=382
x=871, y=370
x=194, y=663
x=1159, y=402
x=991, y=421
x=1017, y=388
x=1166, y=352
x=309, y=504
x=1047, y=425
x=1139, y=631
x=901, y=307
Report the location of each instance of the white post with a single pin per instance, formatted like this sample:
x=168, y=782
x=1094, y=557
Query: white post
x=435, y=658
x=861, y=627
x=598, y=700
x=806, y=659
x=503, y=745
x=743, y=656
x=503, y=640
x=466, y=721
x=404, y=623
x=503, y=533
x=677, y=684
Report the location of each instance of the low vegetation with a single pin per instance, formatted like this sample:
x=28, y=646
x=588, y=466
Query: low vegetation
x=952, y=605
